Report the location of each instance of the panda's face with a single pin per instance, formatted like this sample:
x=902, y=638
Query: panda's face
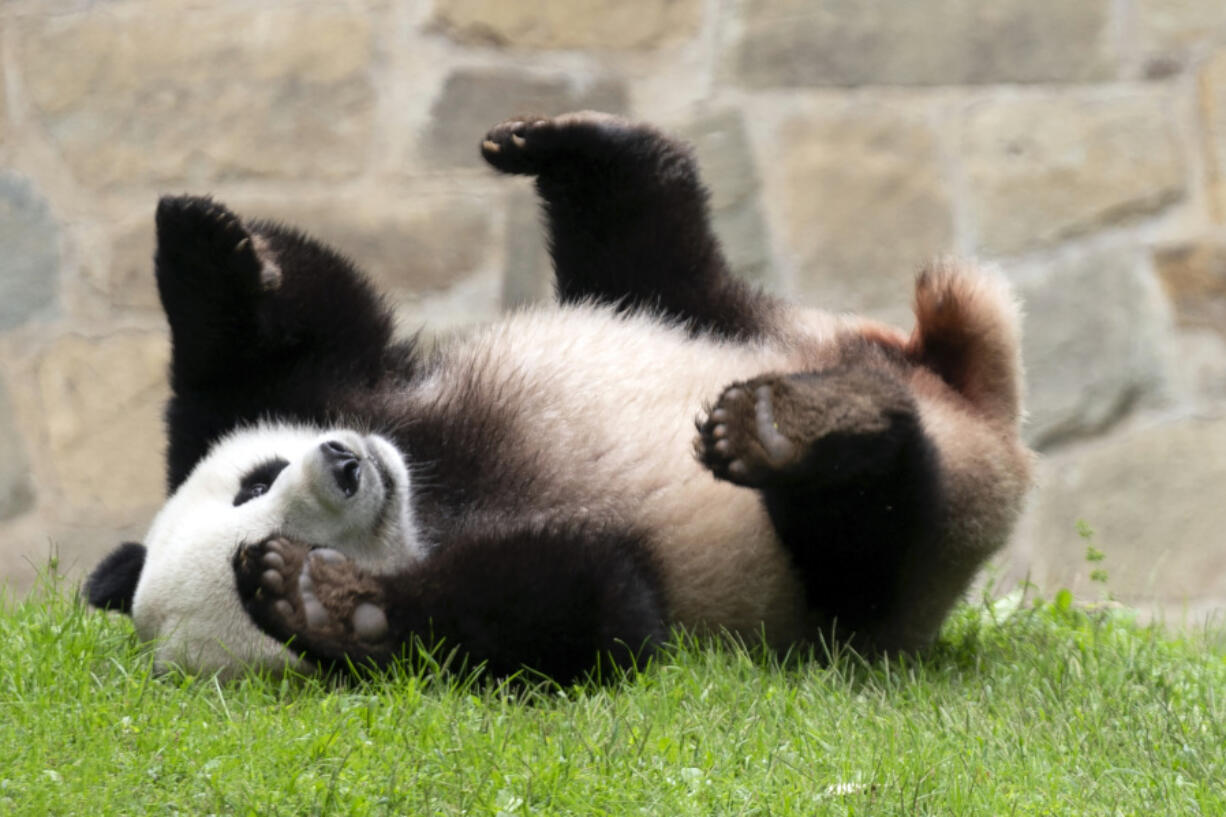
x=334, y=488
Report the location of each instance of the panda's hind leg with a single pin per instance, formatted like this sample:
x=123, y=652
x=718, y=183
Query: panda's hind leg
x=628, y=220
x=848, y=475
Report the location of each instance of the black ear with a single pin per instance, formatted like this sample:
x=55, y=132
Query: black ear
x=113, y=582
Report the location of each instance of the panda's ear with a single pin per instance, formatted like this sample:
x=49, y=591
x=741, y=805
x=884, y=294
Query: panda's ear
x=113, y=582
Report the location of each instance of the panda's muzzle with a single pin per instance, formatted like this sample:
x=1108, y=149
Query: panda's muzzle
x=344, y=465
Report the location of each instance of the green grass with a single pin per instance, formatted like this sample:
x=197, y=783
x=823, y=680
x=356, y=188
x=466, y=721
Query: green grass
x=1022, y=709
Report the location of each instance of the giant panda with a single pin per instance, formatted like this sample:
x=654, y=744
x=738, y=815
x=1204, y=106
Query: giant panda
x=664, y=447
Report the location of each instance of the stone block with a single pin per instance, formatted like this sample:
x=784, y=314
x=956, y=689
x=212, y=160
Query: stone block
x=1194, y=278
x=528, y=275
x=420, y=243
x=1152, y=499
x=1167, y=29
x=156, y=93
x=473, y=100
x=101, y=406
x=29, y=253
x=901, y=42
x=1096, y=342
x=1048, y=167
x=1213, y=115
x=129, y=281
x=16, y=488
x=863, y=206
x=725, y=156
x=570, y=24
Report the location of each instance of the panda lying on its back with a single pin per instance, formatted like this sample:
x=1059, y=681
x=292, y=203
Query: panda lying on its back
x=528, y=491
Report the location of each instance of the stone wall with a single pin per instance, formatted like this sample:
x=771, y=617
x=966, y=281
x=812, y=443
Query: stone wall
x=1080, y=145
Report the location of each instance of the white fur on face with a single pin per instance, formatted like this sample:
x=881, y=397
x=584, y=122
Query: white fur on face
x=186, y=599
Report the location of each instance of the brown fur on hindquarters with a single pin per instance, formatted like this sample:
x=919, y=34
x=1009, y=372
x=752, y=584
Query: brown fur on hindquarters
x=317, y=594
x=821, y=427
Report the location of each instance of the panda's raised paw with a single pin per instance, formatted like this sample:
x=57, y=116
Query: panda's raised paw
x=529, y=145
x=207, y=226
x=741, y=441
x=307, y=595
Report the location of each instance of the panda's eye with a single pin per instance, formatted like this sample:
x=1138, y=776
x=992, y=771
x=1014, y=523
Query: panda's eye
x=258, y=480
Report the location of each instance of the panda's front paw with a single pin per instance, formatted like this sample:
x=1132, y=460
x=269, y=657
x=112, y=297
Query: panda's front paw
x=530, y=145
x=309, y=596
x=741, y=441
x=198, y=237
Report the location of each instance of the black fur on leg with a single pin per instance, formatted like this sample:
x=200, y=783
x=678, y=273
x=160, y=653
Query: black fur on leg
x=555, y=599
x=628, y=219
x=850, y=479
x=264, y=322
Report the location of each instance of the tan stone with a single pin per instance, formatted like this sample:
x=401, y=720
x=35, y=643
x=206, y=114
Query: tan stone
x=130, y=280
x=902, y=42
x=1213, y=114
x=473, y=100
x=422, y=243
x=1194, y=277
x=158, y=93
x=1153, y=501
x=101, y=403
x=16, y=488
x=1044, y=168
x=864, y=203
x=1171, y=25
x=594, y=24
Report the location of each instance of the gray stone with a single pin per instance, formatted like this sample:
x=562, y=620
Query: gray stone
x=863, y=206
x=901, y=42
x=29, y=253
x=1153, y=499
x=1044, y=168
x=577, y=24
x=16, y=489
x=159, y=93
x=1096, y=342
x=529, y=274
x=1213, y=114
x=463, y=109
x=726, y=159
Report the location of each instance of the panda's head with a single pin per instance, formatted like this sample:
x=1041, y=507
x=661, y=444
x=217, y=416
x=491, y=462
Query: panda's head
x=335, y=488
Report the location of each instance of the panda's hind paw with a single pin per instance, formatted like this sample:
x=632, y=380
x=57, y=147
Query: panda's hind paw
x=740, y=441
x=530, y=145
x=309, y=596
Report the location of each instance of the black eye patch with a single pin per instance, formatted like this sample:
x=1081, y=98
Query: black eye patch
x=258, y=480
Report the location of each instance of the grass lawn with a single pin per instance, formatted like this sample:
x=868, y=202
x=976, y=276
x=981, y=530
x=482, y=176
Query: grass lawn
x=1025, y=708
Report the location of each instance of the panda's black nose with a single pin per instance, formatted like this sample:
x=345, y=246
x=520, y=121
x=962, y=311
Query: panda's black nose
x=346, y=466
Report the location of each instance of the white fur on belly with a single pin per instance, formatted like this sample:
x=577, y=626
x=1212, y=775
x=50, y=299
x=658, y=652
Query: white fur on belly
x=608, y=400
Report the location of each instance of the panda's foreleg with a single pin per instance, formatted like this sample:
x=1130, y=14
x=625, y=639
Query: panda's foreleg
x=628, y=219
x=563, y=603
x=263, y=321
x=850, y=480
